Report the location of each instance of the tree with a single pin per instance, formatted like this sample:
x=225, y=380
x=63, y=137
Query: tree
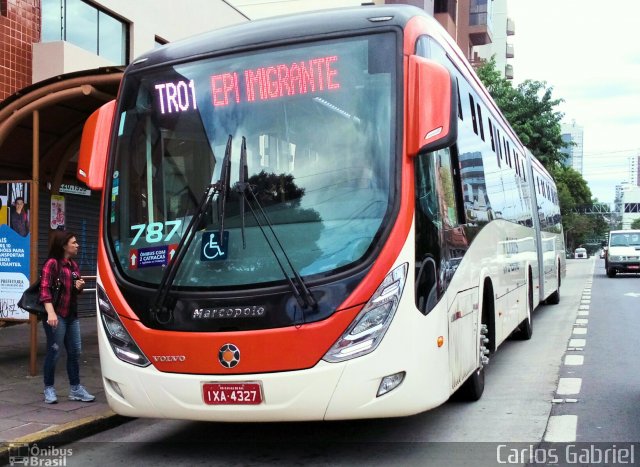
x=573, y=189
x=636, y=224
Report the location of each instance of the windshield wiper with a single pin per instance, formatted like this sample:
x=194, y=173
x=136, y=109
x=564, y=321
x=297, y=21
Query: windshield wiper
x=306, y=299
x=158, y=310
x=225, y=177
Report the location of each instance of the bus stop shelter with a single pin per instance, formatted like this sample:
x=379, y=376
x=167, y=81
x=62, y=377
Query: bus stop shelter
x=40, y=132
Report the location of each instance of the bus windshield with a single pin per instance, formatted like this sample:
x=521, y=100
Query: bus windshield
x=319, y=121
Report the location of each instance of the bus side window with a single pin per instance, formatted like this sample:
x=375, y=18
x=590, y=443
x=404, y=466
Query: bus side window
x=428, y=227
x=446, y=187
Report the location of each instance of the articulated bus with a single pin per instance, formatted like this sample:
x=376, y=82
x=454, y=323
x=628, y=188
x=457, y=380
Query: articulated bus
x=313, y=217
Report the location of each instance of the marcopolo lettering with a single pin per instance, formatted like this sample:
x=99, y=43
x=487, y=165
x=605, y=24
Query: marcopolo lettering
x=255, y=311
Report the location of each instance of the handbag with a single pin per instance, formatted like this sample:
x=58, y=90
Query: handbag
x=30, y=300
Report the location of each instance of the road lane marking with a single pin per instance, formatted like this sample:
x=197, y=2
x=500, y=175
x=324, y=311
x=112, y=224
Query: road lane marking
x=574, y=360
x=561, y=429
x=579, y=330
x=582, y=321
x=577, y=342
x=583, y=313
x=569, y=386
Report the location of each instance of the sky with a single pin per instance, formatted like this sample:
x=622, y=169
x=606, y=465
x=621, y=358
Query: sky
x=589, y=52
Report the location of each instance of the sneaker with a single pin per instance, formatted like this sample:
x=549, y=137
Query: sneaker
x=79, y=393
x=50, y=395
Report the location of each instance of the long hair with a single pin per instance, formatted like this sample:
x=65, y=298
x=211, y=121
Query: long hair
x=58, y=241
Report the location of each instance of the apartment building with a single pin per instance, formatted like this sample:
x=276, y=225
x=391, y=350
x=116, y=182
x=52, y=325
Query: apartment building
x=500, y=48
x=573, y=136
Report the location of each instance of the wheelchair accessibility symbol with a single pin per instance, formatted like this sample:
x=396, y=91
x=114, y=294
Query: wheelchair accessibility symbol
x=212, y=249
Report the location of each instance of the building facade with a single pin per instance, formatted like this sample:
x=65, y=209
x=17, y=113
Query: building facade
x=500, y=48
x=630, y=205
x=634, y=170
x=19, y=29
x=573, y=135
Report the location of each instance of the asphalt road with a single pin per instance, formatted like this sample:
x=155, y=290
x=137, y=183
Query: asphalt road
x=522, y=381
x=607, y=406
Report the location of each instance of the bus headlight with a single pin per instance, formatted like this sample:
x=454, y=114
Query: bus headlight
x=366, y=331
x=121, y=341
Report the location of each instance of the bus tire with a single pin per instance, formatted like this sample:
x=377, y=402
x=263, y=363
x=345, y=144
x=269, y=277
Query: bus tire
x=554, y=298
x=472, y=389
x=525, y=328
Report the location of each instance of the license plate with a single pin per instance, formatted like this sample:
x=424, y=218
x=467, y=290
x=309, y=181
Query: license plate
x=634, y=267
x=232, y=393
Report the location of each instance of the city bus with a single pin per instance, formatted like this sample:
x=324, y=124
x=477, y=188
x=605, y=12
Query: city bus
x=312, y=217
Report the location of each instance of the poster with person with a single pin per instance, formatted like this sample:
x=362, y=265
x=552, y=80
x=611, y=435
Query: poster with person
x=57, y=212
x=15, y=239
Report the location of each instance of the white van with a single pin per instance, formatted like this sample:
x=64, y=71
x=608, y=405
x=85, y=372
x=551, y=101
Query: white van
x=623, y=254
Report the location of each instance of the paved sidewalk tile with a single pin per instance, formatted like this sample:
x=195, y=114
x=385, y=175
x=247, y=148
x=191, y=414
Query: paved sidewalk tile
x=23, y=413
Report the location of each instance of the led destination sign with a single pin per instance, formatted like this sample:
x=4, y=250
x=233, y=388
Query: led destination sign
x=276, y=81
x=251, y=85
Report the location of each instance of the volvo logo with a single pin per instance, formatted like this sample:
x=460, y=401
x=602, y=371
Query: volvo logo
x=229, y=355
x=169, y=358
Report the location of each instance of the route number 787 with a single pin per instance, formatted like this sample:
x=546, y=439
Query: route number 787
x=155, y=230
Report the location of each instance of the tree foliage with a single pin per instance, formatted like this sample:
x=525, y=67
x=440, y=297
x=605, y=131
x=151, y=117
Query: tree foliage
x=636, y=224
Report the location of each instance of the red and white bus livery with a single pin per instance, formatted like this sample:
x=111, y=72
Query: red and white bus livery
x=313, y=217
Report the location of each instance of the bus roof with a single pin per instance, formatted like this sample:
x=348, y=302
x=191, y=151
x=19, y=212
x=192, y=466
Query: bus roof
x=280, y=29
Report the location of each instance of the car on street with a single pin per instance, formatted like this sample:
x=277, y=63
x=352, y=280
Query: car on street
x=581, y=253
x=623, y=253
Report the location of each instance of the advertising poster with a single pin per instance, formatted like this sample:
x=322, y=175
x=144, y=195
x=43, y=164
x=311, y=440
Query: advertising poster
x=14, y=247
x=57, y=212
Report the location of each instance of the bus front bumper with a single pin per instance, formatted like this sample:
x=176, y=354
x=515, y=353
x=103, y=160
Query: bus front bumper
x=328, y=391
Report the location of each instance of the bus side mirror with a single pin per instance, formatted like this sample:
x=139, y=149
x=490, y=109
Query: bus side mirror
x=94, y=146
x=433, y=107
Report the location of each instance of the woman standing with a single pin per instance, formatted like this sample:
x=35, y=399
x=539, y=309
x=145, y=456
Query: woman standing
x=62, y=326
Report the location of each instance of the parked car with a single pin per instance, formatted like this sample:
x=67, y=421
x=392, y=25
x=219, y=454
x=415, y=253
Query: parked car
x=581, y=253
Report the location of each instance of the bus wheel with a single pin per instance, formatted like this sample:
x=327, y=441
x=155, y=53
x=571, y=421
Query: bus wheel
x=554, y=298
x=525, y=329
x=472, y=389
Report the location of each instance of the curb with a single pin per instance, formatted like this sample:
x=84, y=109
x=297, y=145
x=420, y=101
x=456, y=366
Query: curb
x=67, y=432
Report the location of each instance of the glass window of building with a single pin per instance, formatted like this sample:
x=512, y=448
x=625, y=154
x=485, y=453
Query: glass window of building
x=85, y=25
x=479, y=12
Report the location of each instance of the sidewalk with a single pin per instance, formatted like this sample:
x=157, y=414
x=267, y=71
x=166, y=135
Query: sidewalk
x=24, y=417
